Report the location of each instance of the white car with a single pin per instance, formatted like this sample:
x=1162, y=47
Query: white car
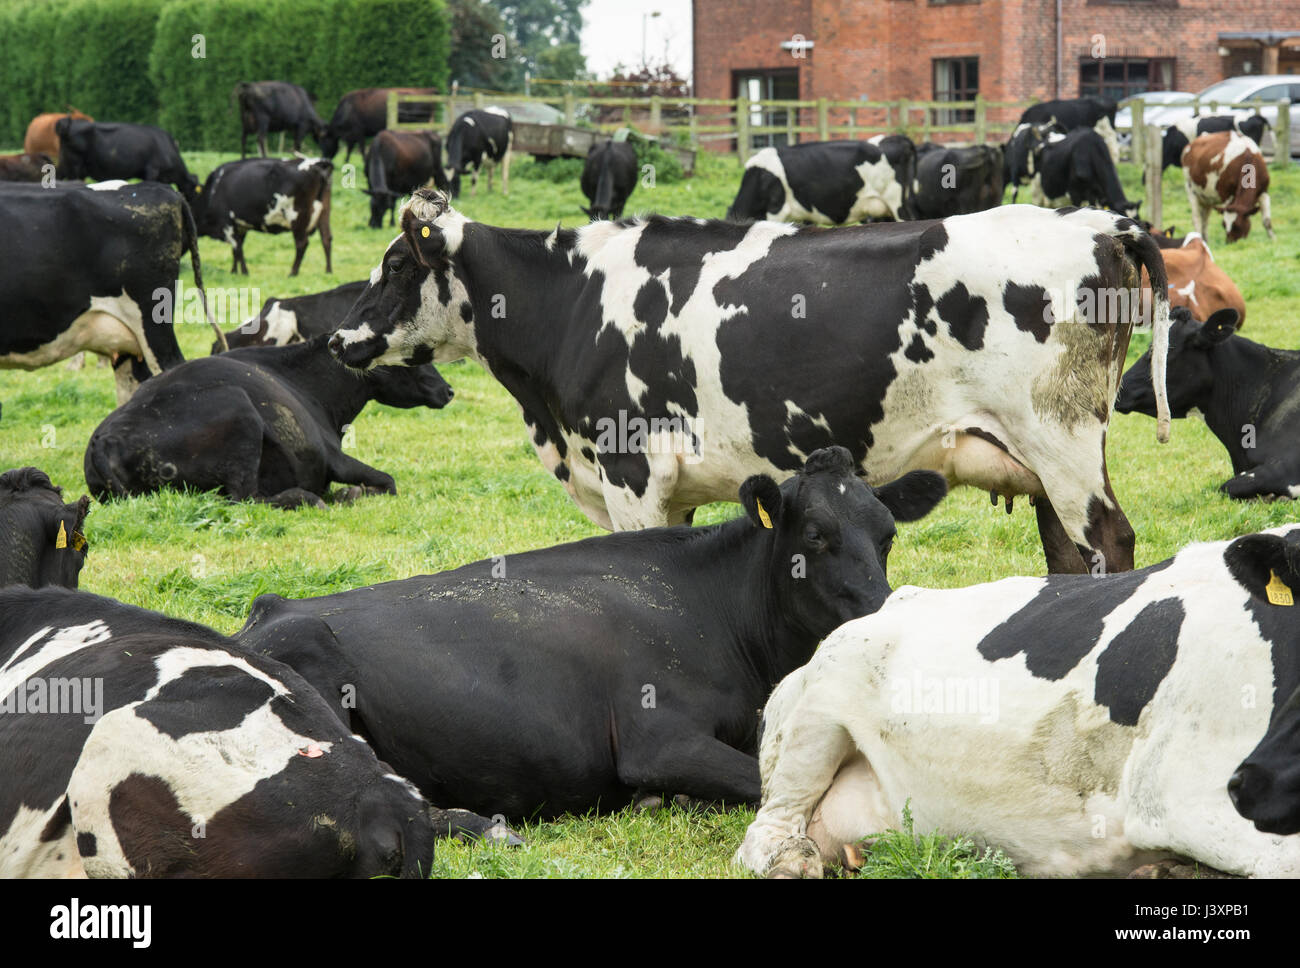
x=1151, y=110
x=1252, y=87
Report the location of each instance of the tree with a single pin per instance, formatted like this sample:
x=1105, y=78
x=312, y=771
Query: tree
x=480, y=47
x=545, y=36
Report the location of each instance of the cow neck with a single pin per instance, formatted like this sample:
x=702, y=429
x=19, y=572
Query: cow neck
x=1245, y=376
x=338, y=391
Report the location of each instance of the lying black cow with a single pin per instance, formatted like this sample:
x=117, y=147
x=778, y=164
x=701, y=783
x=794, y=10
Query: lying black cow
x=828, y=182
x=1246, y=392
x=479, y=139
x=1076, y=169
x=600, y=672
x=81, y=272
x=40, y=537
x=266, y=106
x=400, y=162
x=160, y=749
x=363, y=114
x=1178, y=136
x=267, y=195
x=264, y=422
x=955, y=181
x=608, y=178
x=93, y=149
x=298, y=318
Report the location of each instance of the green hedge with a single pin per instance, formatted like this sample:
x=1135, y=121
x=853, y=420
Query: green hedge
x=134, y=60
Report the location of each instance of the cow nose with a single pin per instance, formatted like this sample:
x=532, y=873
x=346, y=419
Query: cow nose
x=336, y=346
x=1235, y=783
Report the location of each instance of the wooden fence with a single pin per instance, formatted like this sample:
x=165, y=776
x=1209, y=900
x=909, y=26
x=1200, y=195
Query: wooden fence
x=1281, y=129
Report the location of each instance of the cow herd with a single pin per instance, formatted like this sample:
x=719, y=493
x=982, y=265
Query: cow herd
x=832, y=381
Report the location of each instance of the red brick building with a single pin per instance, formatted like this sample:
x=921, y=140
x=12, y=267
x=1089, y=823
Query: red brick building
x=1005, y=50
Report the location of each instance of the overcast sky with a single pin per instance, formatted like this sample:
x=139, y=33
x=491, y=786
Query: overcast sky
x=611, y=34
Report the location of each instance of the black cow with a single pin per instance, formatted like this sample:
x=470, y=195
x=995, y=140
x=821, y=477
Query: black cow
x=400, y=162
x=608, y=178
x=1246, y=392
x=295, y=319
x=956, y=181
x=1178, y=136
x=92, y=270
x=40, y=537
x=93, y=149
x=828, y=182
x=263, y=422
x=607, y=670
x=479, y=139
x=161, y=749
x=267, y=195
x=266, y=106
x=1075, y=169
x=363, y=114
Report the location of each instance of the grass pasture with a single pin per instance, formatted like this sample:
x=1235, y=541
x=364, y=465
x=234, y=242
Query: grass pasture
x=470, y=486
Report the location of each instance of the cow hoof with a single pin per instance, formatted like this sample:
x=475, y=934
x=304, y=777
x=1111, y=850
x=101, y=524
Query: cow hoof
x=852, y=858
x=346, y=495
x=499, y=835
x=649, y=803
x=796, y=857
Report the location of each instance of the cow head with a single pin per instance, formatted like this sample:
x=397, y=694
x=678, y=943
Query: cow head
x=416, y=309
x=329, y=142
x=1265, y=788
x=1190, y=370
x=409, y=386
x=1172, y=146
x=40, y=537
x=761, y=193
x=829, y=536
x=74, y=142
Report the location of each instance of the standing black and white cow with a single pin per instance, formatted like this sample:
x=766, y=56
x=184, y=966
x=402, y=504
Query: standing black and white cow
x=136, y=745
x=608, y=178
x=67, y=285
x=266, y=106
x=1179, y=136
x=1069, y=114
x=296, y=318
x=1020, y=154
x=828, y=182
x=660, y=362
x=264, y=422
x=597, y=673
x=399, y=162
x=1074, y=169
x=40, y=536
x=956, y=181
x=93, y=149
x=1083, y=725
x=267, y=195
x=479, y=140
x=1247, y=393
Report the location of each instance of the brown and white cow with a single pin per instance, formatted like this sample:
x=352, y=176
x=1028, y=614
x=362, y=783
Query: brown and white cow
x=40, y=136
x=1197, y=282
x=1225, y=171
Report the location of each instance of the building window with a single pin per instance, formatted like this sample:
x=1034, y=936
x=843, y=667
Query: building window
x=956, y=79
x=1121, y=77
x=773, y=85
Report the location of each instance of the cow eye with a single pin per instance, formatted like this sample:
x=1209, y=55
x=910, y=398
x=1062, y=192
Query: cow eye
x=396, y=263
x=886, y=546
x=813, y=535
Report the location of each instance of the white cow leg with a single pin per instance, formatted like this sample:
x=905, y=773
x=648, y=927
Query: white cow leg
x=1266, y=214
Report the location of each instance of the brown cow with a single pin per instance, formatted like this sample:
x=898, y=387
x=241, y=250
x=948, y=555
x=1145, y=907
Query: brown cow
x=1197, y=282
x=1225, y=171
x=40, y=133
x=26, y=168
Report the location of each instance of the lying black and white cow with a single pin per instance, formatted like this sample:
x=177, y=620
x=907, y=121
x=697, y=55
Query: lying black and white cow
x=1178, y=136
x=266, y=106
x=136, y=745
x=1247, y=394
x=608, y=178
x=479, y=140
x=1083, y=725
x=67, y=285
x=398, y=163
x=40, y=537
x=660, y=362
x=828, y=182
x=1074, y=169
x=264, y=422
x=599, y=672
x=267, y=195
x=295, y=319
x=956, y=181
x=93, y=149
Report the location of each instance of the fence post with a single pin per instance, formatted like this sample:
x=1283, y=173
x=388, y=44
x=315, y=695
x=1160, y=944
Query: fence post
x=392, y=109
x=742, y=128
x=478, y=100
x=695, y=124
x=904, y=118
x=656, y=112
x=1282, y=136
x=569, y=114
x=1138, y=130
x=823, y=120
x=981, y=120
x=1153, y=161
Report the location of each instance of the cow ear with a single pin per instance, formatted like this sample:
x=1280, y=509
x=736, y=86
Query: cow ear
x=913, y=495
x=1221, y=324
x=426, y=241
x=762, y=501
x=1267, y=566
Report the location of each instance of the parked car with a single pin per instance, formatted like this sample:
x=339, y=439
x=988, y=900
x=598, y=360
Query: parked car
x=1251, y=87
x=1151, y=110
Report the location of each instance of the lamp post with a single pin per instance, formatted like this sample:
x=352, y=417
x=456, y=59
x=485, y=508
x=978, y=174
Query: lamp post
x=645, y=19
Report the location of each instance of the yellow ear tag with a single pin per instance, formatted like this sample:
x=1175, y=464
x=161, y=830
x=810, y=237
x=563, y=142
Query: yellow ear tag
x=762, y=514
x=78, y=541
x=198, y=189
x=425, y=232
x=1278, y=593
x=61, y=539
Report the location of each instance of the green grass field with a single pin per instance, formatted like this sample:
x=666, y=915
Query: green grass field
x=470, y=486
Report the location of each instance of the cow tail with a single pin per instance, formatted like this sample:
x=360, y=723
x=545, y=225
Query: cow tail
x=908, y=182
x=190, y=240
x=1147, y=254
